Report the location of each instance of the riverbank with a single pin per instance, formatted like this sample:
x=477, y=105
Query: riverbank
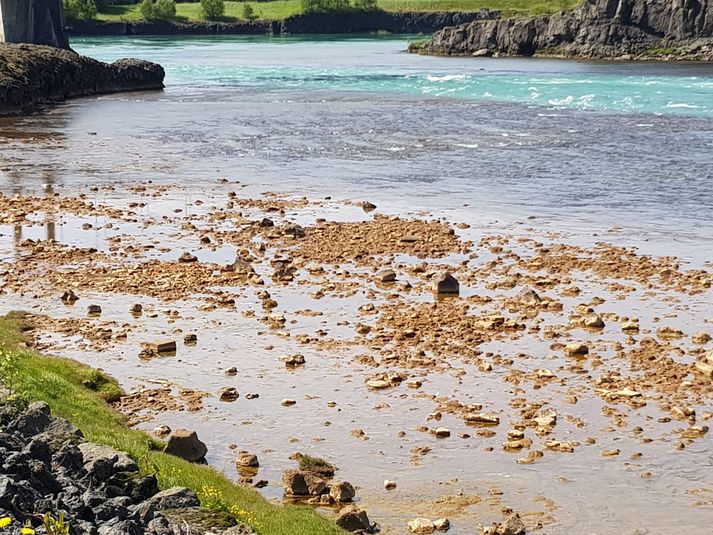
x=318, y=23
x=626, y=30
x=80, y=394
x=32, y=76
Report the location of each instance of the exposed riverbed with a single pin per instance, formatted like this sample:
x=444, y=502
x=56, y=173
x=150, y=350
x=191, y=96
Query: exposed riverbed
x=532, y=165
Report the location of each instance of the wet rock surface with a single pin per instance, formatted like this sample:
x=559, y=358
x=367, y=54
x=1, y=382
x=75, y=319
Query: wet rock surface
x=625, y=29
x=47, y=467
x=33, y=75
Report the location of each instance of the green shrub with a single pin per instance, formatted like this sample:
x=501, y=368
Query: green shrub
x=325, y=6
x=212, y=9
x=158, y=9
x=365, y=5
x=249, y=12
x=79, y=9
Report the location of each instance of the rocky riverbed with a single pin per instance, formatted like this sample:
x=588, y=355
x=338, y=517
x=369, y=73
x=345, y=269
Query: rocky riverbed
x=624, y=29
x=446, y=372
x=48, y=468
x=32, y=75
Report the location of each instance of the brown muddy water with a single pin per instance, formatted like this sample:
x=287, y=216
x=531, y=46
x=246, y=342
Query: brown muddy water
x=522, y=218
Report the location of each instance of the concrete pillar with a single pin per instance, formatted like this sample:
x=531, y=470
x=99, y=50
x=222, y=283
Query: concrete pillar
x=38, y=22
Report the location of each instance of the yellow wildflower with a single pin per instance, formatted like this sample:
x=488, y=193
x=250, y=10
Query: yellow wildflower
x=5, y=522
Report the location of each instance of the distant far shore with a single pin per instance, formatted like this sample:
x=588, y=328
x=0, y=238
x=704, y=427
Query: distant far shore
x=317, y=23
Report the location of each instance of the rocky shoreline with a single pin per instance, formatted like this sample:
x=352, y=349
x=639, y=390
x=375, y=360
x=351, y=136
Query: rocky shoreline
x=319, y=23
x=32, y=75
x=598, y=29
x=48, y=468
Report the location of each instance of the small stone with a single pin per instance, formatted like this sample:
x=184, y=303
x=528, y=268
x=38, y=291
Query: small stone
x=247, y=460
x=446, y=284
x=231, y=371
x=162, y=431
x=610, y=453
x=94, y=310
x=228, y=393
x=368, y=207
x=287, y=402
x=266, y=223
x=292, y=361
x=69, y=296
x=420, y=526
x=378, y=384
x=442, y=524
x=389, y=485
x=593, y=321
x=136, y=309
x=442, y=432
x=701, y=338
x=477, y=418
x=342, y=491
x=187, y=257
x=386, y=276
x=190, y=339
x=351, y=518
x=630, y=326
x=576, y=349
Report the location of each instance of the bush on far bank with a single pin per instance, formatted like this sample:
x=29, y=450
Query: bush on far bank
x=79, y=9
x=337, y=6
x=158, y=9
x=212, y=9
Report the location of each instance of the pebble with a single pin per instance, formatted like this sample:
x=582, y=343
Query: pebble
x=389, y=485
x=162, y=431
x=420, y=526
x=576, y=349
x=247, y=459
x=187, y=257
x=287, y=402
x=231, y=371
x=228, y=393
x=442, y=432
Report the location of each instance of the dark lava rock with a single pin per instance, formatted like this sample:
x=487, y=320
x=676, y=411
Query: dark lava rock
x=32, y=75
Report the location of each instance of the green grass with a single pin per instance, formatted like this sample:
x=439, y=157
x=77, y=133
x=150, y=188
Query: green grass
x=78, y=393
x=280, y=9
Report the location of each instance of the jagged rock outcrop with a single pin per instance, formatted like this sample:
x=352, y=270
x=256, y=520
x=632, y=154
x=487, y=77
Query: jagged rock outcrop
x=32, y=75
x=39, y=22
x=598, y=28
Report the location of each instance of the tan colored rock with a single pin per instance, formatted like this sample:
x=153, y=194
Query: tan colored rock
x=287, y=402
x=442, y=524
x=576, y=349
x=593, y=321
x=389, y=485
x=342, y=491
x=185, y=444
x=420, y=526
x=247, y=460
x=701, y=338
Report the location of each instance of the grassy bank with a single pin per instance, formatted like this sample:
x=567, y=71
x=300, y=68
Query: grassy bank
x=79, y=393
x=280, y=9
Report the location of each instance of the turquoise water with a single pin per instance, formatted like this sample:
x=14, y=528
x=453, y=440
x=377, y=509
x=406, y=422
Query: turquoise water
x=582, y=146
x=377, y=64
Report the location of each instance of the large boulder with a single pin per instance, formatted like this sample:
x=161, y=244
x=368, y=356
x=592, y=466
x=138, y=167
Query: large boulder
x=185, y=444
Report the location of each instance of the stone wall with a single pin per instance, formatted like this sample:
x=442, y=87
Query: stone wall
x=38, y=22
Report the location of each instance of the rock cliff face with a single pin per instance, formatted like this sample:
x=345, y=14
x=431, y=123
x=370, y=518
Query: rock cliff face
x=598, y=28
x=32, y=75
x=318, y=23
x=38, y=22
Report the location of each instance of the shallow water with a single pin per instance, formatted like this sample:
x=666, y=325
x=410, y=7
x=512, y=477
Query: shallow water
x=583, y=147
